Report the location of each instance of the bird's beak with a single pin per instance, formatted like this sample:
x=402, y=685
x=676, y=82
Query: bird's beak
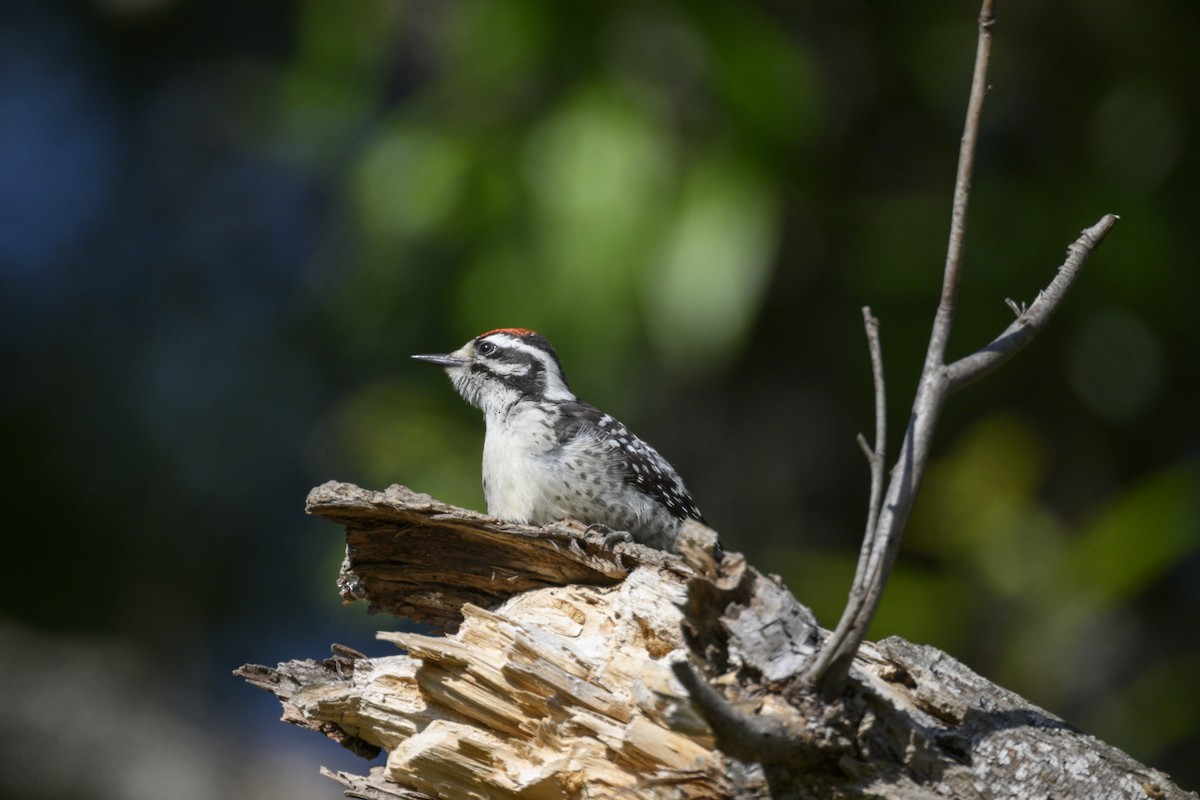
x=442, y=361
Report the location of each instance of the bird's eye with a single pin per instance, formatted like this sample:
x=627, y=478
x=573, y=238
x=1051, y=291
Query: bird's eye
x=485, y=348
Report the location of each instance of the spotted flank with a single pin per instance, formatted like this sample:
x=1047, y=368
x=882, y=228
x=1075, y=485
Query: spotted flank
x=641, y=464
x=651, y=473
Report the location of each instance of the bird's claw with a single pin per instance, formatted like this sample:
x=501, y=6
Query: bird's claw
x=611, y=537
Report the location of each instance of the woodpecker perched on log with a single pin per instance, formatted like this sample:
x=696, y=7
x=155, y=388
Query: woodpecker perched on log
x=548, y=455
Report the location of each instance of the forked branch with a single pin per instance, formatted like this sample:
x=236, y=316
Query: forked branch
x=886, y=521
x=1034, y=318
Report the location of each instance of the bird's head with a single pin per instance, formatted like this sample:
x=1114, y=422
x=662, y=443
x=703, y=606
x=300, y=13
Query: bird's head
x=499, y=368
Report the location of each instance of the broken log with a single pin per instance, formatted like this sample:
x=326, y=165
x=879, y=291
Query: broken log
x=557, y=667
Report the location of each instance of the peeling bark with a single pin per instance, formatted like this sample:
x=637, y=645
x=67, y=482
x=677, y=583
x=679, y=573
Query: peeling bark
x=554, y=676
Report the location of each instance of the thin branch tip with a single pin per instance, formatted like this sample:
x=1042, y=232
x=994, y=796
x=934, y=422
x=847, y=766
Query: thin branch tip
x=1101, y=228
x=1031, y=318
x=866, y=448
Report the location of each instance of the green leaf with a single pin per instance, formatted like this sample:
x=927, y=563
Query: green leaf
x=705, y=292
x=1138, y=538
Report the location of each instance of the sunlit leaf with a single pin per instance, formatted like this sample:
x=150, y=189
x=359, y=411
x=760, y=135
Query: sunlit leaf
x=409, y=181
x=1146, y=530
x=764, y=78
x=991, y=473
x=706, y=290
x=600, y=172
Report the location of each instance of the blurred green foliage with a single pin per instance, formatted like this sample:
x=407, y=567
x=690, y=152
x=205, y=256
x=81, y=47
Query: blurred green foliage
x=692, y=200
x=646, y=184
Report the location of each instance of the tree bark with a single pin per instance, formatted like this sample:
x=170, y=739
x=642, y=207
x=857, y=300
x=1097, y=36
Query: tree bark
x=558, y=667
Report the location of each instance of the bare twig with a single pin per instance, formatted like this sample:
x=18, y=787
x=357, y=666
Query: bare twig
x=877, y=457
x=962, y=192
x=1034, y=318
x=882, y=541
x=761, y=738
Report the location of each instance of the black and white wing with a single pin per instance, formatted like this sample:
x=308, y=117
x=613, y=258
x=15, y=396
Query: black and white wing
x=641, y=464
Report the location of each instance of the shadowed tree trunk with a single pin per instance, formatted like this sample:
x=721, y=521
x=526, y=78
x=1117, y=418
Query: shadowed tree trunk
x=558, y=668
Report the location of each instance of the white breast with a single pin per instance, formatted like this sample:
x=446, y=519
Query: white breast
x=517, y=484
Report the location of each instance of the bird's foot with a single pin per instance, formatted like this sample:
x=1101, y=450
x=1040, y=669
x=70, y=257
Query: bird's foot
x=611, y=537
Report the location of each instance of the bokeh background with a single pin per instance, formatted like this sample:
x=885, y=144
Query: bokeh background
x=225, y=225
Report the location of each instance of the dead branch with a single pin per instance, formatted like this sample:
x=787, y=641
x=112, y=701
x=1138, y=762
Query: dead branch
x=881, y=543
x=877, y=456
x=1032, y=319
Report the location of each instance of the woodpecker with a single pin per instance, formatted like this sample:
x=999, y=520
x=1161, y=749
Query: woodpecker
x=547, y=455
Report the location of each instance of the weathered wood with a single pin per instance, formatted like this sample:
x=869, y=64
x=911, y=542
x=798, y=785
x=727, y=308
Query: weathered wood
x=414, y=557
x=560, y=682
x=373, y=786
